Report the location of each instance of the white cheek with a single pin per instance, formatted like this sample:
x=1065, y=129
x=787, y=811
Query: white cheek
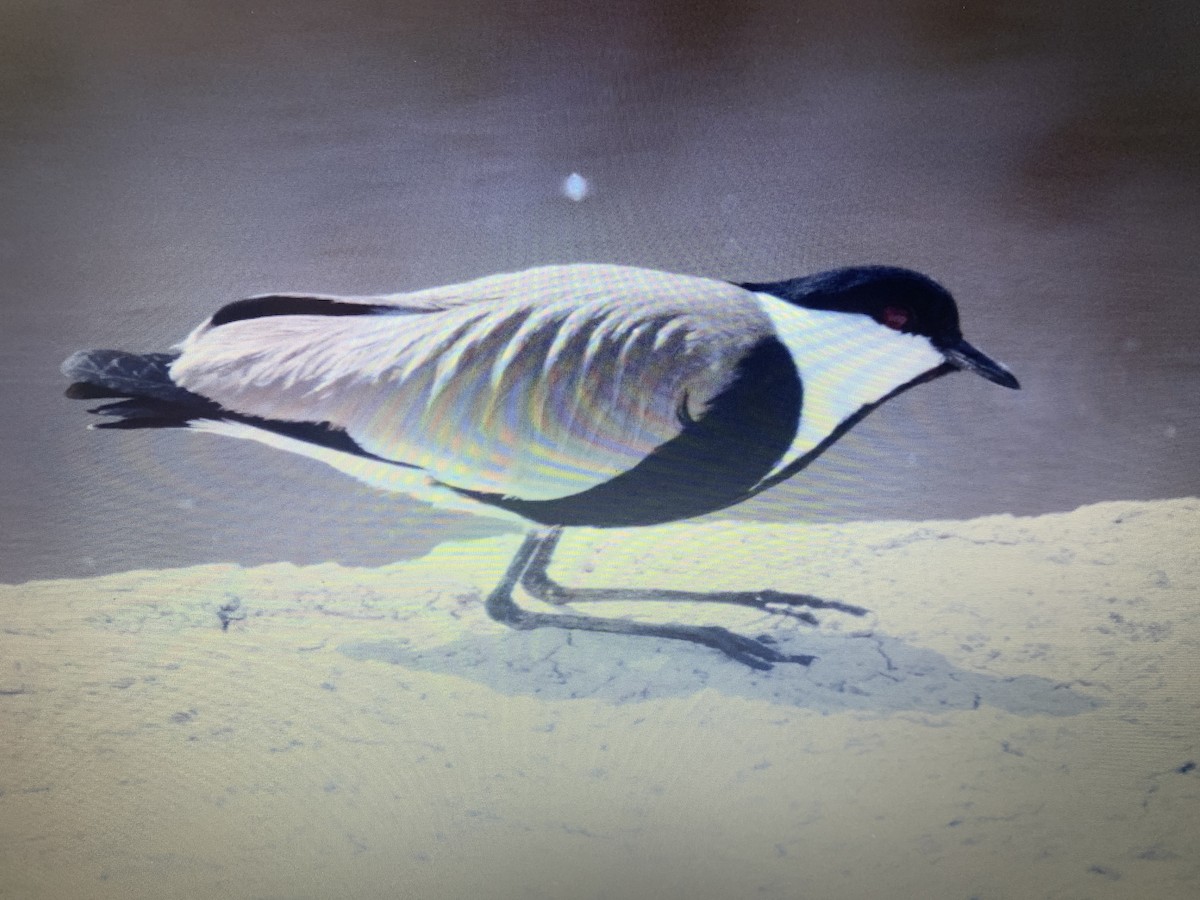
x=846, y=362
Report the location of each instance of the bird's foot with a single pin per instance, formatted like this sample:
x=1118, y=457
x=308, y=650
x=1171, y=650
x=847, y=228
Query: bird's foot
x=757, y=653
x=528, y=568
x=784, y=602
x=753, y=652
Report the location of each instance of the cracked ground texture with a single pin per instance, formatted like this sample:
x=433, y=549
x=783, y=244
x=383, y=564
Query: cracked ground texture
x=1018, y=716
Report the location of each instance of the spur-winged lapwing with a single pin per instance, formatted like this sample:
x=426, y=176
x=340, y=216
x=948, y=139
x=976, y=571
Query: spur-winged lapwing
x=594, y=395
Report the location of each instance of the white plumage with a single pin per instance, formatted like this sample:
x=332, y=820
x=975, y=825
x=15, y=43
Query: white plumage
x=845, y=363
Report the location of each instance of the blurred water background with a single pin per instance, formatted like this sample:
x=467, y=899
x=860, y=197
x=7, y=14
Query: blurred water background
x=160, y=159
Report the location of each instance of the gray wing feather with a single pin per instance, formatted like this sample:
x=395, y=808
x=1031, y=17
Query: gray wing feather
x=537, y=384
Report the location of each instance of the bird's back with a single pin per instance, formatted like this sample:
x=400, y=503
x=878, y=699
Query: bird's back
x=536, y=385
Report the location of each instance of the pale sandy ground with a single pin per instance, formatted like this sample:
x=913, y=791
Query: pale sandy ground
x=1020, y=717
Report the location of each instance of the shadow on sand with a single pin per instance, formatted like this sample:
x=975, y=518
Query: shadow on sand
x=872, y=673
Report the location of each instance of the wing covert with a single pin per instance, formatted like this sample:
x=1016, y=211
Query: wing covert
x=538, y=384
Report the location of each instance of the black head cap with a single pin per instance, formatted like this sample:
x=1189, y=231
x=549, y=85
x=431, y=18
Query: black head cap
x=901, y=299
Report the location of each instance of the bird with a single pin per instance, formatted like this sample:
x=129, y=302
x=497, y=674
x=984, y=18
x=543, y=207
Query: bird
x=572, y=395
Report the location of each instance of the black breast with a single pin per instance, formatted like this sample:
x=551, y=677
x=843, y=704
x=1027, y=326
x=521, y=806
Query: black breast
x=710, y=465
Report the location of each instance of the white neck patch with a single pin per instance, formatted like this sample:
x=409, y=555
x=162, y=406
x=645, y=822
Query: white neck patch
x=846, y=362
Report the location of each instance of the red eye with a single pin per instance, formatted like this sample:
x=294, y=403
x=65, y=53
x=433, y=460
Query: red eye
x=895, y=317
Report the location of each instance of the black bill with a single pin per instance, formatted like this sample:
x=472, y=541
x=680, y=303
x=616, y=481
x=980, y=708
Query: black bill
x=964, y=356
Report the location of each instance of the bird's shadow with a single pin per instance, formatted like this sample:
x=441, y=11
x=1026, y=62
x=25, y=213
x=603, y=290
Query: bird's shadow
x=870, y=673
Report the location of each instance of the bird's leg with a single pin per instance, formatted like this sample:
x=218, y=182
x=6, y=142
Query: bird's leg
x=539, y=584
x=502, y=608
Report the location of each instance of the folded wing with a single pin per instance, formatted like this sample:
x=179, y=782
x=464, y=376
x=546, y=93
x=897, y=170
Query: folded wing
x=537, y=384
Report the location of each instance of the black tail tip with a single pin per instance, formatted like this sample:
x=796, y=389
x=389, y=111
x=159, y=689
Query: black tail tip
x=118, y=373
x=82, y=390
x=79, y=364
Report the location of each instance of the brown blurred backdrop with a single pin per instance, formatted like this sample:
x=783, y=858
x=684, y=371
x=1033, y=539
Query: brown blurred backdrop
x=160, y=159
